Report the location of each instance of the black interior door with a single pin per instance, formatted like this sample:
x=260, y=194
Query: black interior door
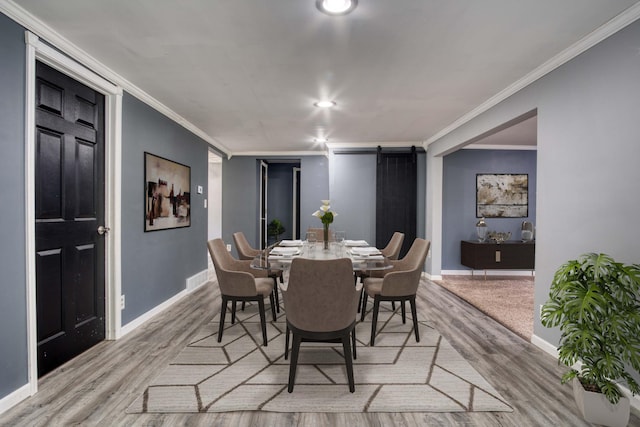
x=69, y=204
x=396, y=198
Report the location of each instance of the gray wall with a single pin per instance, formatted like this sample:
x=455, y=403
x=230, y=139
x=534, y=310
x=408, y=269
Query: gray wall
x=240, y=187
x=13, y=300
x=459, y=196
x=353, y=192
x=156, y=264
x=353, y=195
x=588, y=151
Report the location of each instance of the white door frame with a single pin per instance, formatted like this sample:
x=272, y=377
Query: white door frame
x=296, y=170
x=262, y=202
x=37, y=50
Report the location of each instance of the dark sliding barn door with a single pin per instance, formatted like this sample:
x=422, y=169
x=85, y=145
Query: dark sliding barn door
x=69, y=204
x=396, y=198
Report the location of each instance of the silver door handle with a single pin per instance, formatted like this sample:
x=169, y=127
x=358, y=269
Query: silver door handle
x=103, y=230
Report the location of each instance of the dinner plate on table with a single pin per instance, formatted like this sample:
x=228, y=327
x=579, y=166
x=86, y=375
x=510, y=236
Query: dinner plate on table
x=365, y=251
x=285, y=251
x=291, y=243
x=355, y=243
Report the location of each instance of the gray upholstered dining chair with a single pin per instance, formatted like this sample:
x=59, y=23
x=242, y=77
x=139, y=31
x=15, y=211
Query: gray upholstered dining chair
x=247, y=252
x=399, y=284
x=238, y=283
x=320, y=302
x=391, y=251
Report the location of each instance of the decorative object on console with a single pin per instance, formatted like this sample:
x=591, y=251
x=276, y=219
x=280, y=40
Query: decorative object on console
x=499, y=236
x=502, y=195
x=326, y=216
x=481, y=229
x=526, y=231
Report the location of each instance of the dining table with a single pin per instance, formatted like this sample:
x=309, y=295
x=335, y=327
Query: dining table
x=280, y=255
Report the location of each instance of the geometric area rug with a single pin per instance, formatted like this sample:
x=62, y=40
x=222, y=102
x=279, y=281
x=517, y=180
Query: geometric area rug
x=397, y=375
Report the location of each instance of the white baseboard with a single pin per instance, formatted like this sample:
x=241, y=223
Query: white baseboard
x=553, y=351
x=197, y=280
x=431, y=276
x=544, y=346
x=488, y=273
x=192, y=283
x=15, y=397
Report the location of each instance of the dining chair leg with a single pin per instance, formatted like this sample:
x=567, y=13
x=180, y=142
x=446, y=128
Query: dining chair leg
x=263, y=321
x=376, y=306
x=286, y=344
x=275, y=293
x=346, y=345
x=293, y=363
x=364, y=305
x=243, y=302
x=393, y=305
x=412, y=301
x=353, y=342
x=233, y=311
x=360, y=298
x=273, y=306
x=404, y=312
x=223, y=312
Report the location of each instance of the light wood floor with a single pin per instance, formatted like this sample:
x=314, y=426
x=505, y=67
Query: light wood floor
x=98, y=386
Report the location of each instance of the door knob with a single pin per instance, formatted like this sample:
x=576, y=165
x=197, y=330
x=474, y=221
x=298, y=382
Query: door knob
x=103, y=230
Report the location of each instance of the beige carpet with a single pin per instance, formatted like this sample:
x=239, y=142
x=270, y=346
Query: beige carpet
x=509, y=300
x=397, y=375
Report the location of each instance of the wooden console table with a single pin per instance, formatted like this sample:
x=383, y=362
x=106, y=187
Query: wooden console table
x=510, y=255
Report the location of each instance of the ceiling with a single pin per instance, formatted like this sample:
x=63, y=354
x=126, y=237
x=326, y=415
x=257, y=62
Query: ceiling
x=247, y=72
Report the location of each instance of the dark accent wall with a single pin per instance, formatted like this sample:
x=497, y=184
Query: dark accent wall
x=156, y=264
x=13, y=299
x=459, y=196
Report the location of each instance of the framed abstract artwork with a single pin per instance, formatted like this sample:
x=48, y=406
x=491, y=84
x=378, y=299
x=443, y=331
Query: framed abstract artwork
x=167, y=186
x=502, y=195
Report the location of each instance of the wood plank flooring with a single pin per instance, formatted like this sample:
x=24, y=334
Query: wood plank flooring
x=98, y=386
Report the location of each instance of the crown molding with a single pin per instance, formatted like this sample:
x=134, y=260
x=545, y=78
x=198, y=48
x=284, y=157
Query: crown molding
x=500, y=147
x=613, y=26
x=279, y=153
x=372, y=144
x=35, y=25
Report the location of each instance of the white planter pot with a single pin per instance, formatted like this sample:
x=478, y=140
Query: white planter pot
x=595, y=408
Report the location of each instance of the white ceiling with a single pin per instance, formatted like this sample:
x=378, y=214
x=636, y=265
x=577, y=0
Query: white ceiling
x=246, y=72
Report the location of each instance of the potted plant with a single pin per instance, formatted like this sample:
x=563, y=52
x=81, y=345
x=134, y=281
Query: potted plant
x=596, y=303
x=275, y=229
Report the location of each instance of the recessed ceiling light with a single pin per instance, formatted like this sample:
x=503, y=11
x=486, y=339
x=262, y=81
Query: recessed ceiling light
x=324, y=104
x=336, y=7
x=320, y=139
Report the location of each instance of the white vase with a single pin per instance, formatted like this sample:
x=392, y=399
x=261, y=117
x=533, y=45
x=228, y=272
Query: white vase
x=595, y=408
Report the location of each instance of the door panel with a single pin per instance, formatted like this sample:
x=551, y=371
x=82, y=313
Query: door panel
x=396, y=198
x=69, y=200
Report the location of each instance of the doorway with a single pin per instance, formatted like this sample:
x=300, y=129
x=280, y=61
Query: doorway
x=69, y=220
x=279, y=194
x=36, y=50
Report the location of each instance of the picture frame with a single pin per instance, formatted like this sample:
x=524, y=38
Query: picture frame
x=167, y=189
x=502, y=195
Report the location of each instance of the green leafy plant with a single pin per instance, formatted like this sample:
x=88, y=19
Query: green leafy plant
x=596, y=303
x=275, y=229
